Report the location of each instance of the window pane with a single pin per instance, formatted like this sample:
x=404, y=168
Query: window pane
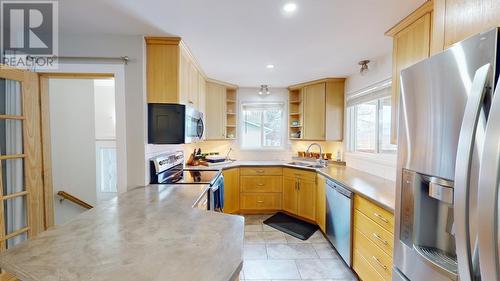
x=12, y=176
x=11, y=137
x=272, y=127
x=15, y=214
x=251, y=132
x=16, y=240
x=10, y=97
x=366, y=122
x=385, y=127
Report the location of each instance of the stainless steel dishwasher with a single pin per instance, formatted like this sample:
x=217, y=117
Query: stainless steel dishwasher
x=339, y=219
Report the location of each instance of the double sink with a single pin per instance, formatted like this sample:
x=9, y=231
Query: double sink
x=306, y=165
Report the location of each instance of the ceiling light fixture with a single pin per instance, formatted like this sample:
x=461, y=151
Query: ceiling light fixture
x=270, y=66
x=364, y=66
x=264, y=89
x=290, y=7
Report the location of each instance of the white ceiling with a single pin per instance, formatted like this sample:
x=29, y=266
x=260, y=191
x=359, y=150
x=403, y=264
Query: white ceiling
x=234, y=40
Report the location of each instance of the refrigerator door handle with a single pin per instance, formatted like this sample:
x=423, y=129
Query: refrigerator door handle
x=462, y=173
x=489, y=183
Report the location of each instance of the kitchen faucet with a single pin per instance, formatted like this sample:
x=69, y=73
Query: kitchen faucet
x=320, y=161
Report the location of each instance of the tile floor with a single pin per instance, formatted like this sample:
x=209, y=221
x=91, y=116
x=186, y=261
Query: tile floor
x=272, y=255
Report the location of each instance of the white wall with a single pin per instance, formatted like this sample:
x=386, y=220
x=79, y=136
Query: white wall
x=73, y=143
x=135, y=99
x=380, y=69
x=105, y=117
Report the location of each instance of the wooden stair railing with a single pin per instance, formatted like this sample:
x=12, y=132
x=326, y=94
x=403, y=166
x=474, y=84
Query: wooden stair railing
x=73, y=199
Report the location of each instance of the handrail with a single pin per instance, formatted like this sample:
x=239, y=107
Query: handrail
x=74, y=199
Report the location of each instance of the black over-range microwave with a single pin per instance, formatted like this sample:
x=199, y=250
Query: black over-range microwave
x=170, y=123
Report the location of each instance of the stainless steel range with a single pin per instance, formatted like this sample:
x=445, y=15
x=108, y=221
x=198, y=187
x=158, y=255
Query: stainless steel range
x=169, y=169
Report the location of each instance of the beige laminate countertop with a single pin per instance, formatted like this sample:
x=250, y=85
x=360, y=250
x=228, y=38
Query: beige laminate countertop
x=150, y=233
x=377, y=189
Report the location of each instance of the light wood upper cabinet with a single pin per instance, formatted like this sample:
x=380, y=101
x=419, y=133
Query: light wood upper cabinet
x=215, y=111
x=411, y=44
x=172, y=74
x=318, y=107
x=231, y=190
x=202, y=93
x=466, y=18
x=314, y=111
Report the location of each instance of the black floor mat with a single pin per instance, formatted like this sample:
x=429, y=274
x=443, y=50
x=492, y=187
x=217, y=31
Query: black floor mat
x=290, y=225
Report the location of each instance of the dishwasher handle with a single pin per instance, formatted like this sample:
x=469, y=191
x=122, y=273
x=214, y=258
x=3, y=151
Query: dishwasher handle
x=340, y=189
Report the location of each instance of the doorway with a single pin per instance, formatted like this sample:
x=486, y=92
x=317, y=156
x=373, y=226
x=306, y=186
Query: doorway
x=83, y=153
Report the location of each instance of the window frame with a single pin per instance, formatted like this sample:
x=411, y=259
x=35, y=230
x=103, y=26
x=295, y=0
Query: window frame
x=280, y=105
x=368, y=95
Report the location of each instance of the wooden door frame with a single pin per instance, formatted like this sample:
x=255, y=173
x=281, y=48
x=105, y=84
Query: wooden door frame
x=48, y=187
x=31, y=155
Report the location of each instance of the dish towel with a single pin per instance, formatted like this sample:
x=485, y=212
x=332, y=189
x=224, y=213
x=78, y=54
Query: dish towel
x=219, y=198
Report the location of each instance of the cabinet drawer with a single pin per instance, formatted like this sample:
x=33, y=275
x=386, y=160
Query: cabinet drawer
x=261, y=184
x=364, y=270
x=300, y=174
x=260, y=201
x=379, y=215
x=379, y=260
x=261, y=171
x=378, y=235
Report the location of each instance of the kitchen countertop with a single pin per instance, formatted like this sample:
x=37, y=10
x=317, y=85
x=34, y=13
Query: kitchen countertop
x=377, y=189
x=150, y=233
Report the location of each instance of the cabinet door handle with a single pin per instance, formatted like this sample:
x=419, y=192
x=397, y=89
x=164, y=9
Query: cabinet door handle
x=260, y=171
x=260, y=201
x=379, y=262
x=260, y=184
x=376, y=236
x=380, y=217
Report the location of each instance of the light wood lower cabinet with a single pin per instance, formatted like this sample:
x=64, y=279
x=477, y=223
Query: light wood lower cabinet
x=231, y=190
x=299, y=193
x=372, y=241
x=290, y=195
x=260, y=201
x=363, y=268
x=321, y=202
x=261, y=184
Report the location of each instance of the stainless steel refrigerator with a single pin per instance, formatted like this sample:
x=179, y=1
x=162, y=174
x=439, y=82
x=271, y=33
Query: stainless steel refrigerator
x=448, y=165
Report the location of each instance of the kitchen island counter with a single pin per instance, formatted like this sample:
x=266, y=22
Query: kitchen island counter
x=149, y=233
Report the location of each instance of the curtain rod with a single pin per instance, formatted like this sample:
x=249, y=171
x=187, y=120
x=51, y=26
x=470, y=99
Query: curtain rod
x=124, y=59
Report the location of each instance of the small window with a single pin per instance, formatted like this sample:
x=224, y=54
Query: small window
x=262, y=126
x=369, y=122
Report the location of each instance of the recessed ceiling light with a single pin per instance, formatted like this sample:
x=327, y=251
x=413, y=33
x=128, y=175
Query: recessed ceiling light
x=290, y=7
x=270, y=66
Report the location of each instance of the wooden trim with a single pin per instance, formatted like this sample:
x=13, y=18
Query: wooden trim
x=2, y=223
x=153, y=40
x=11, y=73
x=426, y=8
x=16, y=233
x=14, y=117
x=46, y=152
x=76, y=75
x=15, y=156
x=33, y=149
x=324, y=80
x=74, y=199
x=14, y=195
x=438, y=26
x=192, y=59
x=225, y=84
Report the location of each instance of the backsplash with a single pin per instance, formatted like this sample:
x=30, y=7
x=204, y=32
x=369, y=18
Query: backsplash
x=263, y=155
